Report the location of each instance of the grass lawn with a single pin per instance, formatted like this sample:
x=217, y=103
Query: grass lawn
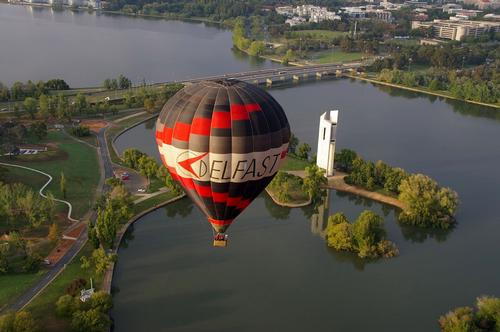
x=336, y=56
x=318, y=34
x=80, y=166
x=294, y=164
x=43, y=306
x=13, y=285
x=31, y=179
x=155, y=200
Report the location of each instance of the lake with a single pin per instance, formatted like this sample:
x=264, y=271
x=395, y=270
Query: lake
x=278, y=273
x=86, y=48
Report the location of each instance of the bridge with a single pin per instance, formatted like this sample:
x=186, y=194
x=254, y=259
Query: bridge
x=272, y=76
x=267, y=77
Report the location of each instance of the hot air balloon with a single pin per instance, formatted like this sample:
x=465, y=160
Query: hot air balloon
x=222, y=141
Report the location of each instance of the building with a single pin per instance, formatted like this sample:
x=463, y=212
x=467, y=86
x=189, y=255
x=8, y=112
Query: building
x=493, y=17
x=458, y=29
x=326, y=141
x=483, y=4
x=306, y=13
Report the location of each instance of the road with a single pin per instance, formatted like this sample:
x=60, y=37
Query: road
x=57, y=268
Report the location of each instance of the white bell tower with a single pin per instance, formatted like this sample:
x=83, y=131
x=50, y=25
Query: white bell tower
x=326, y=141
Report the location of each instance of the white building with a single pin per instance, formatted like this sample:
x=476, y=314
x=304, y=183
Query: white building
x=458, y=29
x=326, y=141
x=309, y=13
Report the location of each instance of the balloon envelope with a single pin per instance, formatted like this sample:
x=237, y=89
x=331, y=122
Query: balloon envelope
x=223, y=142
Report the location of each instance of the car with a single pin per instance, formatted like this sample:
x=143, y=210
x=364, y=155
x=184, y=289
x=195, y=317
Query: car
x=125, y=176
x=141, y=190
x=46, y=261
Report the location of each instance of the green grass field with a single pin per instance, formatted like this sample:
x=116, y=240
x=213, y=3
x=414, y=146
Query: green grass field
x=294, y=164
x=318, y=34
x=153, y=201
x=11, y=286
x=336, y=56
x=80, y=166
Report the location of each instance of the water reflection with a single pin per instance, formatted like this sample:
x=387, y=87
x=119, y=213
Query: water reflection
x=127, y=237
x=420, y=235
x=276, y=211
x=181, y=208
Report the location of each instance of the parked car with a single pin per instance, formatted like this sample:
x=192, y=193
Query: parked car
x=141, y=190
x=125, y=176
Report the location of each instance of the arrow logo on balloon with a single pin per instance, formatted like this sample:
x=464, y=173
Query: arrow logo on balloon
x=188, y=163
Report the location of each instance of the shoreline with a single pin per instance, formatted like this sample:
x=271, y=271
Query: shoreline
x=437, y=94
x=285, y=204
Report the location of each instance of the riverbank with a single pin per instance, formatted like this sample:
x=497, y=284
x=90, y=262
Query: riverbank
x=433, y=93
x=286, y=204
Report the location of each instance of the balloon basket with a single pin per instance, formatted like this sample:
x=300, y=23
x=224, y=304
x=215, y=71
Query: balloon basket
x=220, y=240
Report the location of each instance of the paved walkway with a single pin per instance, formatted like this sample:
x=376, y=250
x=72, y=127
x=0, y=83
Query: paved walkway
x=337, y=182
x=70, y=207
x=146, y=196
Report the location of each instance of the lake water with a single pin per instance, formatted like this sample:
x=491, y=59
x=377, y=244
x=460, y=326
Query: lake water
x=84, y=48
x=278, y=274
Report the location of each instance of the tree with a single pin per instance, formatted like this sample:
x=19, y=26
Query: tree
x=53, y=233
x=256, y=48
x=4, y=261
x=149, y=105
x=66, y=305
x=99, y=261
x=426, y=203
x=289, y=56
x=30, y=104
x=90, y=321
x=292, y=144
x=303, y=151
x=21, y=321
x=107, y=225
x=124, y=82
x=488, y=313
x=339, y=233
x=39, y=129
x=313, y=182
x=458, y=320
x=80, y=103
x=367, y=231
x=344, y=159
x=62, y=185
x=43, y=106
x=101, y=301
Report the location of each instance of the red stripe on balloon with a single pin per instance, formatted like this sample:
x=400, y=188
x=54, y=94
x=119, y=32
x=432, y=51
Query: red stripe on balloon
x=253, y=107
x=221, y=120
x=201, y=126
x=233, y=201
x=219, y=197
x=167, y=135
x=219, y=222
x=181, y=131
x=243, y=204
x=239, y=112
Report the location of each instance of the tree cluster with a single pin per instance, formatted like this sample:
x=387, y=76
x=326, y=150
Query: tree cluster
x=21, y=321
x=485, y=317
x=426, y=203
x=121, y=82
x=20, y=205
x=17, y=255
x=112, y=209
x=371, y=175
x=89, y=316
x=20, y=91
x=365, y=237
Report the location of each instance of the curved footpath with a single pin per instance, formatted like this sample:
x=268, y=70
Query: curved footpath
x=70, y=207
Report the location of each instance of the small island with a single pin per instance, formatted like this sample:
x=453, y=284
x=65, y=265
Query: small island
x=485, y=317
